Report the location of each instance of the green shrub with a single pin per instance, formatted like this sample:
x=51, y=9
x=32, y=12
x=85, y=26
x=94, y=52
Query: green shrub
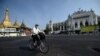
x=88, y=28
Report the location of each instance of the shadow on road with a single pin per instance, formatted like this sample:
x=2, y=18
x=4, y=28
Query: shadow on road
x=96, y=49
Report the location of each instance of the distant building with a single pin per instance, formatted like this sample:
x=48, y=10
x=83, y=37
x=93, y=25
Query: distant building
x=76, y=20
x=49, y=27
x=9, y=29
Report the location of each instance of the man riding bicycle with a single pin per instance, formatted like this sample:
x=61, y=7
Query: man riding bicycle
x=37, y=35
x=38, y=38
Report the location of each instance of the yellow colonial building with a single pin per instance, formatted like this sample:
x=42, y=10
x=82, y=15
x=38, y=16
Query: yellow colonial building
x=9, y=29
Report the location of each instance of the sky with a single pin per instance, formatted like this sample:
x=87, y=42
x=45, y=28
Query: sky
x=42, y=11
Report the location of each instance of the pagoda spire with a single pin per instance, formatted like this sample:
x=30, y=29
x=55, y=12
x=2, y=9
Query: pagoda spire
x=23, y=24
x=16, y=24
x=6, y=22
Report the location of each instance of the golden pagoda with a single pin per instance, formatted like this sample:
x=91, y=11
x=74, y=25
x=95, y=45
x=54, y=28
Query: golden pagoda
x=6, y=22
x=9, y=29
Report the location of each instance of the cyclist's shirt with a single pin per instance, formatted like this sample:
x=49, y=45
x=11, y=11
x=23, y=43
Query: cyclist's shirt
x=35, y=31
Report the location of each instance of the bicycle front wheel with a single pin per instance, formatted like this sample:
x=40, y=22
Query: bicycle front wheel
x=43, y=47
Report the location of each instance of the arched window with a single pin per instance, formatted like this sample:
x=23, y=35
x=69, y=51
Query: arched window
x=86, y=23
x=99, y=24
x=81, y=24
x=65, y=28
x=76, y=25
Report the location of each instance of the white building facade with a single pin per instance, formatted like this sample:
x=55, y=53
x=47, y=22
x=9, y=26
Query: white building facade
x=76, y=20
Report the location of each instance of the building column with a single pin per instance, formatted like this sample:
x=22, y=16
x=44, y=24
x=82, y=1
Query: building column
x=63, y=27
x=60, y=28
x=96, y=20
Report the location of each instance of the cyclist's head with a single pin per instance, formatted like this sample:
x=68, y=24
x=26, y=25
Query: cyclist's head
x=36, y=25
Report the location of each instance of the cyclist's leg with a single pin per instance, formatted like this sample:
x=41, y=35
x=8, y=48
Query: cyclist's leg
x=33, y=38
x=38, y=40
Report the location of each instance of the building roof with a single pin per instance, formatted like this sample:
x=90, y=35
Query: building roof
x=82, y=13
x=6, y=23
x=23, y=25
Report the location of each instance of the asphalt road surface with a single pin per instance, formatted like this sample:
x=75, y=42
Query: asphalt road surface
x=59, y=45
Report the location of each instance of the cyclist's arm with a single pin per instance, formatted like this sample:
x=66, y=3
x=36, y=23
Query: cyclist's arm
x=41, y=32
